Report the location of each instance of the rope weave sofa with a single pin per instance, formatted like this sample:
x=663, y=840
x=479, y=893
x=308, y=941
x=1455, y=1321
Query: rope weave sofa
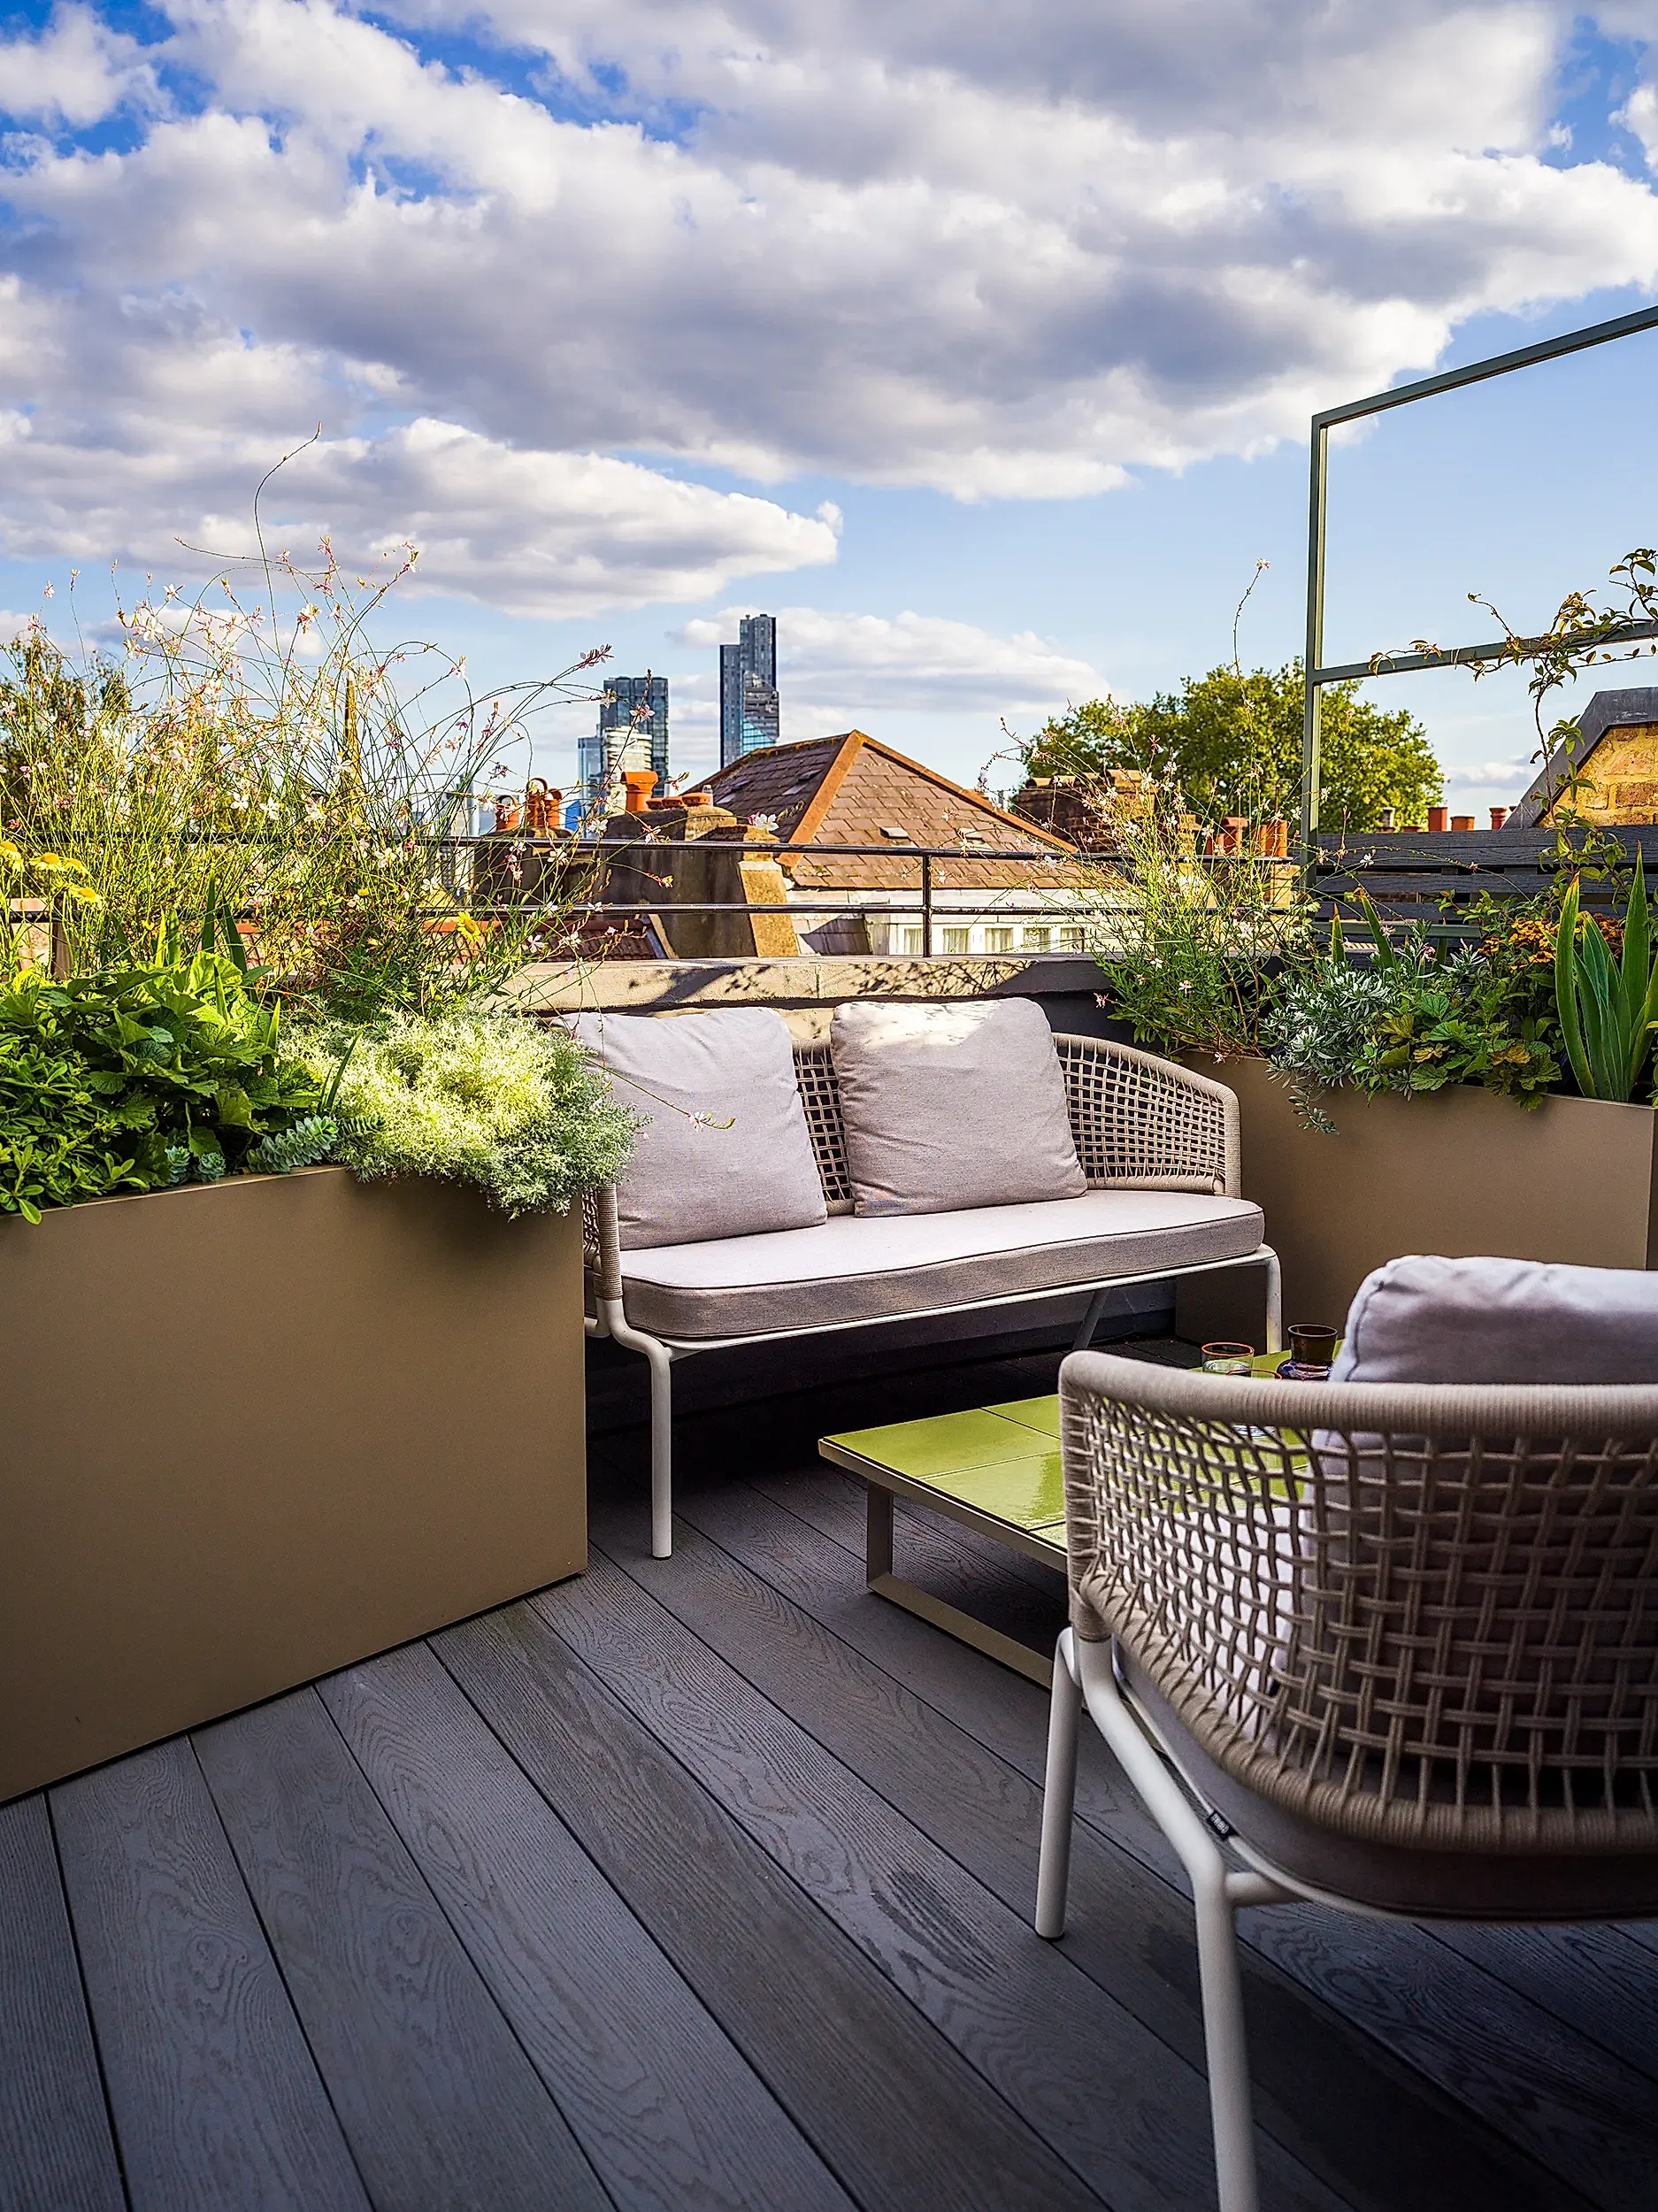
x=1398, y=1642
x=1140, y=1124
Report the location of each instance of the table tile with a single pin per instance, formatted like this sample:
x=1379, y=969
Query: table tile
x=1032, y=1413
x=924, y=1450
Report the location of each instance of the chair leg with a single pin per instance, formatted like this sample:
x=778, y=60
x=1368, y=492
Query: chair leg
x=1274, y=1303
x=1227, y=2047
x=1059, y=1792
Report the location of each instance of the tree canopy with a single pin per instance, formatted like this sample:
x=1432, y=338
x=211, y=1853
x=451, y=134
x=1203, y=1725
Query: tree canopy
x=1231, y=744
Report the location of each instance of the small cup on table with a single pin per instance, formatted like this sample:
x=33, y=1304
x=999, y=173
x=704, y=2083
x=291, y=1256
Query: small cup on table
x=1229, y=1359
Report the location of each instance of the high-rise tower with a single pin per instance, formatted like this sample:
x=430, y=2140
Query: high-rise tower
x=747, y=689
x=633, y=733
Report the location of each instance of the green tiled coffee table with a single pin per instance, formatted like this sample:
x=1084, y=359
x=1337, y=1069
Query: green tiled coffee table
x=996, y=1470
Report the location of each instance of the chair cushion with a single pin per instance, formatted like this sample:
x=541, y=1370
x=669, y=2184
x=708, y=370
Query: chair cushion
x=1500, y=1321
x=856, y=1269
x=951, y=1107
x=723, y=1149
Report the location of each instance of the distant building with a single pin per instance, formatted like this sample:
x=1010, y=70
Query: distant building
x=989, y=896
x=633, y=733
x=1615, y=753
x=749, y=717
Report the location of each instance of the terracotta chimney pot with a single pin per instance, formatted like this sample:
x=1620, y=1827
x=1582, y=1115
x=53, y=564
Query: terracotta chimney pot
x=639, y=783
x=1498, y=816
x=1439, y=818
x=1461, y=821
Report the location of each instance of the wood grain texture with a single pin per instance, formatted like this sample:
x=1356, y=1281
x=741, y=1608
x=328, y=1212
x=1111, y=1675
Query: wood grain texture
x=1596, y=1979
x=56, y=2148
x=668, y=2112
x=890, y=2106
x=217, y=2105
x=442, y=2109
x=1041, y=2034
x=777, y=1600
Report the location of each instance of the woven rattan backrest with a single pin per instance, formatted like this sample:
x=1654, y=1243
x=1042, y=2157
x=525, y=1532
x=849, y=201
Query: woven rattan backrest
x=1138, y=1122
x=1438, y=1627
x=820, y=1095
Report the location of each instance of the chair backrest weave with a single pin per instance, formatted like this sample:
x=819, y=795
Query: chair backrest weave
x=1425, y=1614
x=1137, y=1123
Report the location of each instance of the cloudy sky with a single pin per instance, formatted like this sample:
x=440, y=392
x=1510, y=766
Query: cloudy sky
x=979, y=343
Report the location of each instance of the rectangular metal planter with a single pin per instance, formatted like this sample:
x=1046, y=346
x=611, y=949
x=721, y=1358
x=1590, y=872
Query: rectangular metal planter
x=256, y=1430
x=1457, y=1172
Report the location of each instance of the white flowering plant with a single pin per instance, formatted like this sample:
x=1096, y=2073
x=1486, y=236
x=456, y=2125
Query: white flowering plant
x=497, y=1101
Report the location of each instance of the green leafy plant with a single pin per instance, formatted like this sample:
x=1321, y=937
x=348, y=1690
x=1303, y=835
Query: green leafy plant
x=494, y=1100
x=1607, y=1011
x=138, y=1078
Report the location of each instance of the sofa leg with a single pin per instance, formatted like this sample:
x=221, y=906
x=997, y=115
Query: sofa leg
x=1092, y=1318
x=617, y=1325
x=1059, y=1792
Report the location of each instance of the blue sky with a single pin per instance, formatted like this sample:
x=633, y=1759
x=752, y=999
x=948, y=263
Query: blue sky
x=979, y=349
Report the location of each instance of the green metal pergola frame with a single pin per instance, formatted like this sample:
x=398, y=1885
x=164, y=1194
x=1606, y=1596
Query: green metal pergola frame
x=1317, y=675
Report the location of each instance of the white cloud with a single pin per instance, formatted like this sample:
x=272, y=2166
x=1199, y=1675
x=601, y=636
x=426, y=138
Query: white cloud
x=542, y=534
x=1005, y=253
x=857, y=666
x=77, y=72
x=1491, y=775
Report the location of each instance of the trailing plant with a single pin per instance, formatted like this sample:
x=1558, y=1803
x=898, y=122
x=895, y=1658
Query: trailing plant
x=139, y=1078
x=1194, y=946
x=487, y=1098
x=1607, y=1011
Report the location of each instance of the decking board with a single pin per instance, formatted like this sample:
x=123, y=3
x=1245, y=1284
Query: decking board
x=1378, y=2134
x=217, y=2105
x=666, y=2109
x=55, y=2145
x=438, y=2100
x=886, y=2101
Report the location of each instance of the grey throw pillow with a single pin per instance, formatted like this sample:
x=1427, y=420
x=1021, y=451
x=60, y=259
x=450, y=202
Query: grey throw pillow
x=948, y=1107
x=724, y=1151
x=1430, y=1320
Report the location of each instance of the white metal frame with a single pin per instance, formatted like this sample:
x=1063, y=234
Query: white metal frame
x=610, y=1320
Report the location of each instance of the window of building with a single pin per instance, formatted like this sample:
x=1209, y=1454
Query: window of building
x=998, y=940
x=1071, y=940
x=1036, y=939
x=958, y=941
x=907, y=940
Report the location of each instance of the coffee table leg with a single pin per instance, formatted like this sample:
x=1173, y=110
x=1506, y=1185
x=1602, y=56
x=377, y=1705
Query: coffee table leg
x=878, y=1567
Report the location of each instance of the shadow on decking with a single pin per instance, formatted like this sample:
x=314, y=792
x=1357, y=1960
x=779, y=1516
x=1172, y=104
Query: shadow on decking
x=706, y=1882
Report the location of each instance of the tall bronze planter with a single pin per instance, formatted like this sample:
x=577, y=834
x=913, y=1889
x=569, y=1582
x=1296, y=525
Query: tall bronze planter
x=1459, y=1171
x=255, y=1431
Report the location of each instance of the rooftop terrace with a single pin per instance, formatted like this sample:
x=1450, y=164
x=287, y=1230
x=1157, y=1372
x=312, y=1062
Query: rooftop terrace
x=706, y=1882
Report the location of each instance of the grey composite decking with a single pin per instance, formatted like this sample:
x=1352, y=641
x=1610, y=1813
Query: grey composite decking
x=705, y=1883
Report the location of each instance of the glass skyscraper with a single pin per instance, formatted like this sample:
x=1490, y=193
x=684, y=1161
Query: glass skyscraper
x=747, y=689
x=633, y=733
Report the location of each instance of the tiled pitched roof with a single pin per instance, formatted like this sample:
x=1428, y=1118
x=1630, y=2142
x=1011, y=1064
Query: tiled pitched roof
x=851, y=790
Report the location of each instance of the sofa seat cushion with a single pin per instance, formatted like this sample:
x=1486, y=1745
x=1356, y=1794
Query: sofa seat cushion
x=862, y=1268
